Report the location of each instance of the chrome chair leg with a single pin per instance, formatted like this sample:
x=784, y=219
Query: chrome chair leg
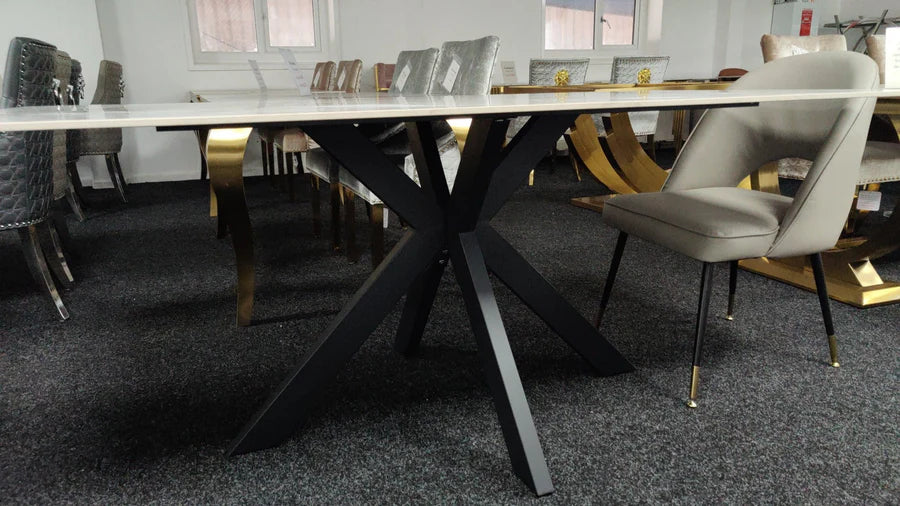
x=611, y=277
x=34, y=255
x=700, y=330
x=114, y=177
x=55, y=258
x=732, y=288
x=815, y=261
x=74, y=202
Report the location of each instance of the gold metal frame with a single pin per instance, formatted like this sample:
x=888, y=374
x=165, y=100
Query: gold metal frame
x=225, y=149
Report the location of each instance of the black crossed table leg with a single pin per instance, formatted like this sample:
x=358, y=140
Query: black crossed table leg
x=443, y=225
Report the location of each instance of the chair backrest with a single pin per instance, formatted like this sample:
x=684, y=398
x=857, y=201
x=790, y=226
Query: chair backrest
x=323, y=75
x=729, y=144
x=26, y=163
x=640, y=70
x=731, y=73
x=62, y=74
x=780, y=46
x=875, y=47
x=384, y=75
x=110, y=85
x=348, y=74
x=413, y=72
x=465, y=67
x=73, y=137
x=557, y=71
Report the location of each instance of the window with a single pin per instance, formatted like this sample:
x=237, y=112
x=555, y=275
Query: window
x=591, y=27
x=228, y=32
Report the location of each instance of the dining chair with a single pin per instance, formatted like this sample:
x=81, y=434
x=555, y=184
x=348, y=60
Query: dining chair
x=73, y=137
x=107, y=141
x=875, y=49
x=62, y=184
x=730, y=74
x=384, y=75
x=638, y=70
x=717, y=222
x=26, y=165
x=552, y=72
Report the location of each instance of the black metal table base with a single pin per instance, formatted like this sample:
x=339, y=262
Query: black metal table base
x=443, y=225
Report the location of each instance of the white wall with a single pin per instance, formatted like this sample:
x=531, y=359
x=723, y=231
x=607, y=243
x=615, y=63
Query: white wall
x=149, y=39
x=70, y=25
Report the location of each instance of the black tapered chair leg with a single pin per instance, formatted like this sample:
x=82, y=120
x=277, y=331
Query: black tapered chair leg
x=611, y=277
x=353, y=252
x=34, y=255
x=700, y=329
x=815, y=261
x=337, y=198
x=732, y=288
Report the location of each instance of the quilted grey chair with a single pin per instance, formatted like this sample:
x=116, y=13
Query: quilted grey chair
x=717, y=222
x=881, y=160
x=26, y=163
x=412, y=76
x=73, y=137
x=638, y=70
x=62, y=185
x=464, y=68
x=107, y=141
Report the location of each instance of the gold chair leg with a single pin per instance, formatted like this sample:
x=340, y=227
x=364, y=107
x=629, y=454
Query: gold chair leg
x=225, y=158
x=531, y=178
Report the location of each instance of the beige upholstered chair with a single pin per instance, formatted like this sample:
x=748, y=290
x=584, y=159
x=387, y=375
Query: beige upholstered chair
x=107, y=141
x=384, y=75
x=875, y=48
x=717, y=222
x=881, y=160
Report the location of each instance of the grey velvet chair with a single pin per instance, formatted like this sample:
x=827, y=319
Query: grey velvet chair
x=62, y=185
x=26, y=164
x=107, y=142
x=412, y=76
x=472, y=62
x=73, y=137
x=717, y=222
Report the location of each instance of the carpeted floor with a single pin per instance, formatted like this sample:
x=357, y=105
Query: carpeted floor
x=134, y=399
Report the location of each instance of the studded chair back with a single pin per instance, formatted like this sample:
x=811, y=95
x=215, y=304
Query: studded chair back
x=323, y=76
x=557, y=71
x=465, y=67
x=110, y=90
x=413, y=72
x=348, y=74
x=26, y=158
x=640, y=70
x=60, y=88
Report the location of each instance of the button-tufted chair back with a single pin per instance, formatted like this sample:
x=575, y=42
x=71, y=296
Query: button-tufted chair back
x=26, y=159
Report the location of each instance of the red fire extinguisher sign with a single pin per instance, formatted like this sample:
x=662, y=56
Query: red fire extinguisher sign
x=806, y=16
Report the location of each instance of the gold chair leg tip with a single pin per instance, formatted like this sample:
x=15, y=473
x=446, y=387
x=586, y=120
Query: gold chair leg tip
x=835, y=364
x=691, y=403
x=729, y=317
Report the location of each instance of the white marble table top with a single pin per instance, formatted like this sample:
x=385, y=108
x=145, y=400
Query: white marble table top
x=342, y=107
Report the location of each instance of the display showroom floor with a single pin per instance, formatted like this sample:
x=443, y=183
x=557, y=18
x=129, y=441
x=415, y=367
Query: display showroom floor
x=135, y=398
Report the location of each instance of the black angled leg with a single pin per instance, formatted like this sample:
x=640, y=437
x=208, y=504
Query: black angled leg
x=822, y=290
x=417, y=307
x=732, y=288
x=53, y=254
x=700, y=329
x=611, y=277
x=114, y=177
x=522, y=442
x=516, y=273
x=289, y=406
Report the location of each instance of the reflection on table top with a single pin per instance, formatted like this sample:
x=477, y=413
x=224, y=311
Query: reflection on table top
x=343, y=107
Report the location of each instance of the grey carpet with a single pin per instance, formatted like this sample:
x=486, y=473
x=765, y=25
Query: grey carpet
x=135, y=398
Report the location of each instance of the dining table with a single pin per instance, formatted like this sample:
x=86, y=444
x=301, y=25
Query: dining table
x=445, y=228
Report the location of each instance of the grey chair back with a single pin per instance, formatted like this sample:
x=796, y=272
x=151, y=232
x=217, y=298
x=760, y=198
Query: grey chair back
x=110, y=90
x=465, y=67
x=26, y=161
x=547, y=72
x=62, y=75
x=729, y=144
x=640, y=70
x=413, y=72
x=73, y=137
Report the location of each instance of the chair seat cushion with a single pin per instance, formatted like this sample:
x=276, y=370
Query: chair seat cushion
x=291, y=140
x=709, y=224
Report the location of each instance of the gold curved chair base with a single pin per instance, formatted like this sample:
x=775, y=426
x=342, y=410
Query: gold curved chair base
x=225, y=161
